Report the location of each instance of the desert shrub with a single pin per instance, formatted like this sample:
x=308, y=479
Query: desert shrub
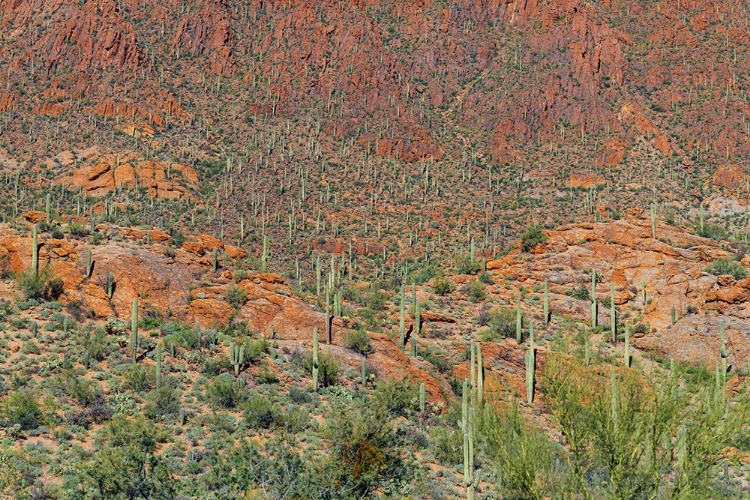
x=137, y=378
x=82, y=391
x=21, y=409
x=328, y=368
x=442, y=285
x=713, y=231
x=299, y=395
x=465, y=264
x=502, y=324
x=397, y=397
x=236, y=296
x=475, y=291
x=531, y=237
x=358, y=341
x=223, y=392
x=163, y=402
x=261, y=413
x=725, y=266
x=78, y=229
x=579, y=293
x=43, y=285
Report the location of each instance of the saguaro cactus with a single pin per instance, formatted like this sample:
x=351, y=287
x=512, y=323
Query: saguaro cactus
x=402, y=318
x=612, y=312
x=315, y=360
x=530, y=364
x=519, y=321
x=422, y=397
x=471, y=477
x=627, y=344
x=35, y=251
x=158, y=364
x=653, y=221
x=236, y=357
x=134, y=331
x=594, y=308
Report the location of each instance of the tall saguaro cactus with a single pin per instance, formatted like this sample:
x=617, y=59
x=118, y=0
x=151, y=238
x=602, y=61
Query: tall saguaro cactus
x=594, y=308
x=236, y=357
x=134, y=331
x=471, y=477
x=402, y=317
x=530, y=364
x=35, y=251
x=315, y=360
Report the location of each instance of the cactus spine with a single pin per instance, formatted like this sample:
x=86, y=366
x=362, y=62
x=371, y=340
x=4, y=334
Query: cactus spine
x=530, y=362
x=315, y=360
x=134, y=331
x=546, y=303
x=35, y=251
x=612, y=312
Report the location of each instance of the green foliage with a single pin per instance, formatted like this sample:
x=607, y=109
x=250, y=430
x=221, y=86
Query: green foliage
x=21, y=409
x=531, y=237
x=45, y=285
x=713, y=231
x=328, y=368
x=475, y=291
x=236, y=296
x=523, y=456
x=502, y=324
x=465, y=264
x=261, y=413
x=163, y=402
x=579, y=293
x=223, y=392
x=126, y=466
x=397, y=397
x=358, y=340
x=725, y=266
x=442, y=285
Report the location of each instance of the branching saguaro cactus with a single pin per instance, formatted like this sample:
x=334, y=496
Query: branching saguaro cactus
x=471, y=476
x=315, y=360
x=530, y=365
x=236, y=357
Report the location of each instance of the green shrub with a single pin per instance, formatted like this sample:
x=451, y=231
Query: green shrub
x=22, y=409
x=725, y=266
x=579, y=293
x=328, y=368
x=475, y=291
x=223, y=392
x=236, y=296
x=502, y=325
x=397, y=397
x=163, y=402
x=713, y=231
x=442, y=285
x=261, y=413
x=358, y=341
x=465, y=264
x=44, y=285
x=531, y=237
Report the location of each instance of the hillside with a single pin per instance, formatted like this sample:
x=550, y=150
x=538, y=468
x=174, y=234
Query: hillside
x=358, y=249
x=76, y=384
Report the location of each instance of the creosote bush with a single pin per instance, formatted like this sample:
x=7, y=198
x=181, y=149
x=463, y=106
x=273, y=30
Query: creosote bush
x=725, y=266
x=531, y=237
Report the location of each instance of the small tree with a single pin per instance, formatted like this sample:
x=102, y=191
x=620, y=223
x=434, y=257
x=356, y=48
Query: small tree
x=531, y=237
